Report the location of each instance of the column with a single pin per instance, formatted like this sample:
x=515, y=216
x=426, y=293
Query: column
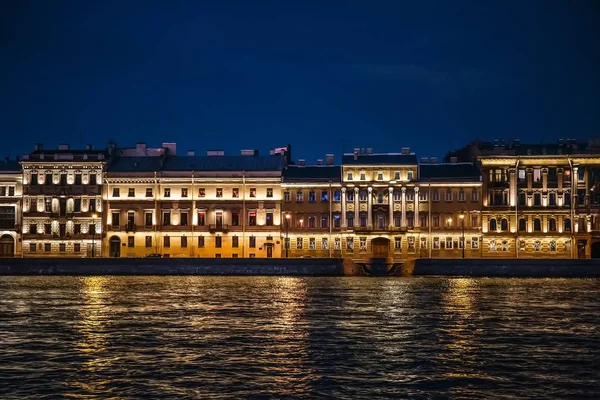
x=417, y=222
x=587, y=186
x=574, y=191
x=404, y=221
x=343, y=207
x=512, y=173
x=356, y=209
x=529, y=173
x=544, y=179
x=391, y=204
x=370, y=208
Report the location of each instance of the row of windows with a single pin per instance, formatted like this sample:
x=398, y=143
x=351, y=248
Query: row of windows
x=537, y=224
x=62, y=179
x=500, y=198
x=7, y=191
x=47, y=247
x=502, y=175
x=362, y=175
x=380, y=196
x=62, y=230
x=60, y=205
x=447, y=243
x=235, y=192
x=184, y=220
x=183, y=241
x=503, y=245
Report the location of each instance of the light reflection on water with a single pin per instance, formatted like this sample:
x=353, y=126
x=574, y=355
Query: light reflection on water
x=231, y=337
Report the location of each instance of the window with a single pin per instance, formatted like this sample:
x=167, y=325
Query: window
x=47, y=247
x=435, y=220
x=130, y=241
x=167, y=192
x=34, y=179
x=553, y=245
x=436, y=243
x=337, y=196
x=398, y=243
x=552, y=225
x=269, y=219
x=76, y=248
x=235, y=218
x=324, y=195
x=93, y=179
x=252, y=218
x=410, y=175
x=148, y=192
x=423, y=243
x=286, y=197
x=474, y=195
x=131, y=192
x=537, y=246
x=362, y=243
x=567, y=199
x=201, y=218
x=448, y=195
x=311, y=196
x=235, y=241
x=184, y=192
x=363, y=220
x=411, y=244
x=521, y=245
x=350, y=219
x=166, y=242
x=349, y=243
x=252, y=192
x=32, y=247
x=62, y=247
x=505, y=245
x=166, y=218
x=184, y=242
x=252, y=242
x=324, y=243
x=337, y=243
x=312, y=244
x=219, y=192
x=396, y=175
x=299, y=243
x=380, y=176
x=397, y=221
x=200, y=242
x=312, y=221
x=493, y=226
x=423, y=221
x=422, y=195
x=269, y=192
x=474, y=243
x=349, y=176
x=522, y=224
x=218, y=242
x=201, y=192
x=78, y=179
x=522, y=199
x=2, y=191
x=7, y=217
x=410, y=195
x=448, y=243
x=116, y=219
x=183, y=218
x=337, y=220
x=521, y=175
x=116, y=192
x=363, y=176
x=537, y=199
x=324, y=221
x=235, y=193
x=435, y=196
x=461, y=195
x=32, y=228
x=580, y=174
x=350, y=195
x=567, y=224
x=299, y=196
x=77, y=229
x=504, y=224
x=234, y=255
x=552, y=199
x=537, y=175
x=148, y=218
x=474, y=221
x=537, y=225
x=492, y=245
x=148, y=241
x=48, y=179
x=362, y=195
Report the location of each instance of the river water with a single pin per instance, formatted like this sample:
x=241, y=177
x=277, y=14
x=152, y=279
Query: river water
x=282, y=337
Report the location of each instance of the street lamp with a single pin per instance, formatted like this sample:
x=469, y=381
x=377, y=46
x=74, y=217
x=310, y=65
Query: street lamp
x=462, y=221
x=287, y=239
x=93, y=233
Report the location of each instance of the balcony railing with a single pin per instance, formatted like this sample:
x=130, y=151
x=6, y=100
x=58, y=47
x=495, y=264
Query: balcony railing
x=218, y=228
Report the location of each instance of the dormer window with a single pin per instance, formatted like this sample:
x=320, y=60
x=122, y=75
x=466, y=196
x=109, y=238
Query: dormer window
x=350, y=176
x=363, y=176
x=380, y=176
x=409, y=175
x=397, y=175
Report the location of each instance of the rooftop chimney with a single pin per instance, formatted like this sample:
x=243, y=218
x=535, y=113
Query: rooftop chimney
x=369, y=150
x=141, y=147
x=319, y=161
x=453, y=160
x=171, y=148
x=191, y=153
x=301, y=162
x=424, y=160
x=249, y=152
x=63, y=146
x=39, y=146
x=329, y=159
x=356, y=152
x=406, y=150
x=215, y=153
x=434, y=160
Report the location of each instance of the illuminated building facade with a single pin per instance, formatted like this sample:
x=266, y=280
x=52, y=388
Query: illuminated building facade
x=10, y=208
x=194, y=206
x=62, y=202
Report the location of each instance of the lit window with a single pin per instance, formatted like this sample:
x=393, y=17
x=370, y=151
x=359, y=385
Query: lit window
x=398, y=243
x=299, y=243
x=167, y=192
x=324, y=243
x=363, y=243
x=410, y=175
x=184, y=192
x=474, y=243
x=131, y=192
x=349, y=176
x=312, y=244
x=269, y=192
x=380, y=176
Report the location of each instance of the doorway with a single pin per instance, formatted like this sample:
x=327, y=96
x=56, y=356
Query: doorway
x=114, y=247
x=269, y=250
x=381, y=247
x=7, y=246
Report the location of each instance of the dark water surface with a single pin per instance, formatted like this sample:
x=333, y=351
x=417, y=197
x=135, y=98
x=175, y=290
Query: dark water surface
x=236, y=337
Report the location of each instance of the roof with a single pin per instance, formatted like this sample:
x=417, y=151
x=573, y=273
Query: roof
x=10, y=166
x=134, y=164
x=312, y=173
x=380, y=159
x=223, y=163
x=448, y=172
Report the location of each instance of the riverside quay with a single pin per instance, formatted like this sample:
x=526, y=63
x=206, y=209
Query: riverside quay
x=502, y=199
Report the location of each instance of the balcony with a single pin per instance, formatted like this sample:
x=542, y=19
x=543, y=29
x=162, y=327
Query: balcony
x=218, y=228
x=498, y=185
x=130, y=227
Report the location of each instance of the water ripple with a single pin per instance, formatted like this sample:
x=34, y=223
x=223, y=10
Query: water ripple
x=240, y=337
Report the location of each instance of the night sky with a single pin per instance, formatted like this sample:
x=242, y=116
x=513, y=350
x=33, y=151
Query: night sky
x=321, y=75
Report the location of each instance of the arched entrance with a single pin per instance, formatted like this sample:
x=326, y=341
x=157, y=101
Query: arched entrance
x=381, y=247
x=596, y=250
x=114, y=247
x=7, y=246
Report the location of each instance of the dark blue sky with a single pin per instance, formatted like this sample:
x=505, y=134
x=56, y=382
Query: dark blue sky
x=431, y=75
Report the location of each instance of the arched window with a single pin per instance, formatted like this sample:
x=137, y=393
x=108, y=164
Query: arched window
x=522, y=224
x=567, y=225
x=504, y=224
x=552, y=225
x=493, y=224
x=537, y=225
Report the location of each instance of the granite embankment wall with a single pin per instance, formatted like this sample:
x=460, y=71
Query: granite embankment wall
x=504, y=267
x=179, y=266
